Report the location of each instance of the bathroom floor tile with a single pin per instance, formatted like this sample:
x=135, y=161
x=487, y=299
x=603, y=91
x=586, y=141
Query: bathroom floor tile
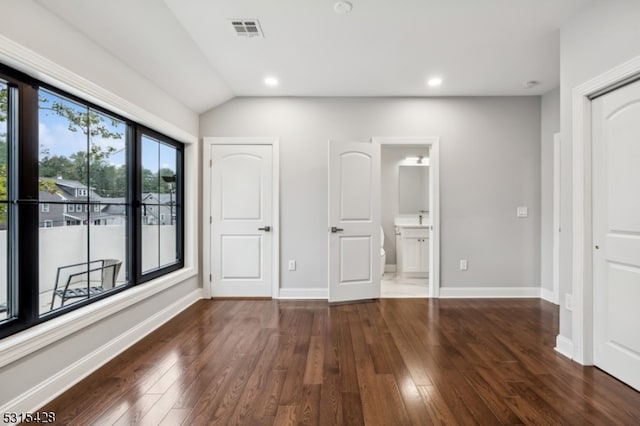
x=393, y=286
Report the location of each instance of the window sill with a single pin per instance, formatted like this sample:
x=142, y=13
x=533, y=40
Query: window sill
x=19, y=345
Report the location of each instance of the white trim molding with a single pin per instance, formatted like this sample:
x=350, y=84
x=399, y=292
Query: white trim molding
x=549, y=296
x=557, y=206
x=582, y=266
x=564, y=346
x=489, y=292
x=304, y=293
x=19, y=345
x=46, y=391
x=434, y=189
x=208, y=142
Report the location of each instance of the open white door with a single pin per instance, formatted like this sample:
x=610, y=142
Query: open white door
x=241, y=220
x=354, y=221
x=616, y=233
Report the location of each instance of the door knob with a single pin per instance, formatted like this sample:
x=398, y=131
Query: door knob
x=265, y=229
x=334, y=229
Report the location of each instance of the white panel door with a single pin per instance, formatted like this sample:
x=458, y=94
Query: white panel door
x=616, y=233
x=241, y=197
x=354, y=221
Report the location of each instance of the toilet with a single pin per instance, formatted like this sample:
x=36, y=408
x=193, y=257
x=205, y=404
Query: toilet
x=383, y=255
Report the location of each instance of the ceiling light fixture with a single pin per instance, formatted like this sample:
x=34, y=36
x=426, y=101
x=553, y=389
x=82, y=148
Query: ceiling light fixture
x=271, y=81
x=342, y=7
x=530, y=84
x=434, y=82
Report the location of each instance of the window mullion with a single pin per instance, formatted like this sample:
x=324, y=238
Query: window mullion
x=27, y=188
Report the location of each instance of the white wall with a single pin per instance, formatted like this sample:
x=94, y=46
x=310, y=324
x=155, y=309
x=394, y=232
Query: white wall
x=40, y=31
x=490, y=164
x=605, y=34
x=549, y=125
x=391, y=156
x=44, y=360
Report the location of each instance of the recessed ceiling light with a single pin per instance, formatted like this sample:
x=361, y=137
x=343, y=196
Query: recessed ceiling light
x=342, y=7
x=434, y=82
x=271, y=81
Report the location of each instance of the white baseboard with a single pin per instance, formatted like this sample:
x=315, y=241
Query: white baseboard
x=549, y=296
x=488, y=292
x=49, y=389
x=304, y=293
x=564, y=346
x=390, y=268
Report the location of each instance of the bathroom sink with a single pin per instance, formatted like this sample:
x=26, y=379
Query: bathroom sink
x=411, y=221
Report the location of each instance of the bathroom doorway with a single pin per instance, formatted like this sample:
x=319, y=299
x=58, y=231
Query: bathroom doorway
x=409, y=217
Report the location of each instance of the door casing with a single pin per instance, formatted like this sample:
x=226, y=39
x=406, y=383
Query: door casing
x=208, y=143
x=434, y=197
x=557, y=167
x=581, y=349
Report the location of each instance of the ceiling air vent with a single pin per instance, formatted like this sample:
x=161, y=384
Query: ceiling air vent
x=247, y=28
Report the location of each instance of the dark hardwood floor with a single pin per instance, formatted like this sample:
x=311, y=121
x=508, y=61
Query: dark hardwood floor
x=387, y=362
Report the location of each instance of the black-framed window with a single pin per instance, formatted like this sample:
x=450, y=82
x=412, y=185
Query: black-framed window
x=8, y=134
x=74, y=173
x=161, y=181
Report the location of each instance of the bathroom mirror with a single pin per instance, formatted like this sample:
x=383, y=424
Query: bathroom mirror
x=413, y=188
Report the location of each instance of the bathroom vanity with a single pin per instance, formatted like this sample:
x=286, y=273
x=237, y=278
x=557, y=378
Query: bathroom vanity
x=412, y=246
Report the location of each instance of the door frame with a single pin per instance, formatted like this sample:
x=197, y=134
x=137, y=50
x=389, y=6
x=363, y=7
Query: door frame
x=557, y=200
x=434, y=197
x=582, y=238
x=208, y=142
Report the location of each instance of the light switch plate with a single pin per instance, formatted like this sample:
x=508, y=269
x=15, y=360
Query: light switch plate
x=522, y=211
x=464, y=265
x=292, y=265
x=568, y=302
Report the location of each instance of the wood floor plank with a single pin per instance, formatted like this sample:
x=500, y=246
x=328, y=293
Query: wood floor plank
x=352, y=409
x=391, y=361
x=267, y=404
x=286, y=415
x=308, y=412
x=315, y=361
x=175, y=417
x=331, y=412
x=438, y=409
x=256, y=384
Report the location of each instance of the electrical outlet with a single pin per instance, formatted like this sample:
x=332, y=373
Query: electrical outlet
x=292, y=265
x=464, y=265
x=568, y=302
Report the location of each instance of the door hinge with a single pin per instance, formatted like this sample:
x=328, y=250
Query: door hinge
x=209, y=277
x=210, y=162
x=210, y=219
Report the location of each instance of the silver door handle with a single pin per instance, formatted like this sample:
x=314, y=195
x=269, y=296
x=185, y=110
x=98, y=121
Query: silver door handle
x=334, y=229
x=265, y=229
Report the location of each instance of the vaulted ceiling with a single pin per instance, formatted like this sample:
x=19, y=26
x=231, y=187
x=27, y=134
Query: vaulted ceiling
x=381, y=48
